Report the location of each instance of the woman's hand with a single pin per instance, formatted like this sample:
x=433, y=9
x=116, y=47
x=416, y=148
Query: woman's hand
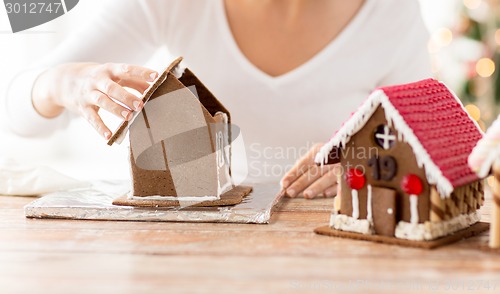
x=84, y=88
x=309, y=179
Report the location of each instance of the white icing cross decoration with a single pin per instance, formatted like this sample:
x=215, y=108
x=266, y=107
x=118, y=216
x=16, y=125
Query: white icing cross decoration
x=386, y=138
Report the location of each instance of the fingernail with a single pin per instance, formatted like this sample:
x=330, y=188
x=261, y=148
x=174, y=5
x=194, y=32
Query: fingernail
x=137, y=105
x=284, y=184
x=291, y=192
x=107, y=135
x=125, y=114
x=330, y=193
x=308, y=194
x=152, y=77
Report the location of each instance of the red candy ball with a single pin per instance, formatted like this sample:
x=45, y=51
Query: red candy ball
x=412, y=184
x=355, y=178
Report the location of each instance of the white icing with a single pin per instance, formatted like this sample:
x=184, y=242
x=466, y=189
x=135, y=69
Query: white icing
x=178, y=71
x=358, y=120
x=487, y=150
x=338, y=197
x=223, y=155
x=386, y=137
x=355, y=204
x=400, y=136
x=346, y=223
x=434, y=230
x=176, y=198
x=369, y=204
x=414, y=209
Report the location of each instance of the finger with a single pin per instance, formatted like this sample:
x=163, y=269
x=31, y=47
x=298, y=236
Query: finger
x=331, y=191
x=139, y=85
x=320, y=185
x=312, y=174
x=293, y=174
x=121, y=71
x=116, y=92
x=103, y=101
x=300, y=167
x=90, y=114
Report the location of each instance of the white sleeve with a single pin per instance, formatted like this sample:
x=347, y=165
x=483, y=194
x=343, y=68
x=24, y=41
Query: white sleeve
x=412, y=60
x=123, y=31
x=20, y=116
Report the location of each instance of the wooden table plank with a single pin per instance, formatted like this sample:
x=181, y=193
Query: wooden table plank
x=61, y=256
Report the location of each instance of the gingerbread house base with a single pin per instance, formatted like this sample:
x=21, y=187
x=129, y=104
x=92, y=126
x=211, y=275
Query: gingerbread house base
x=471, y=231
x=231, y=197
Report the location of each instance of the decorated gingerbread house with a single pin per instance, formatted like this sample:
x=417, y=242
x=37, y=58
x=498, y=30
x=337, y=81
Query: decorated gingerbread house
x=485, y=160
x=403, y=156
x=180, y=145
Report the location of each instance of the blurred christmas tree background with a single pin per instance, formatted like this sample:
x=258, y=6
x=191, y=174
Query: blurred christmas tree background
x=464, y=47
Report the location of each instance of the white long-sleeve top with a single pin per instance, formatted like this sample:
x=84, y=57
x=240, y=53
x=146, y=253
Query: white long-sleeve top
x=280, y=117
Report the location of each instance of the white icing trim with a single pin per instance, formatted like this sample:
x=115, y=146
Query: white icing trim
x=362, y=115
x=226, y=130
x=486, y=151
x=338, y=198
x=386, y=137
x=176, y=198
x=346, y=223
x=414, y=209
x=489, y=162
x=369, y=204
x=178, y=70
x=222, y=152
x=350, y=127
x=355, y=204
x=434, y=230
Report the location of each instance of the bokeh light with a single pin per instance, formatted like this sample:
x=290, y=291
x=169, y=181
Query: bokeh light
x=497, y=37
x=485, y=67
x=473, y=111
x=443, y=37
x=472, y=4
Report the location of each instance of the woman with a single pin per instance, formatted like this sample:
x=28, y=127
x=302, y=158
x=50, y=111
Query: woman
x=290, y=71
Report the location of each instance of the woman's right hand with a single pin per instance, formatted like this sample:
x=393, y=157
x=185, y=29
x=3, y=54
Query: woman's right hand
x=84, y=88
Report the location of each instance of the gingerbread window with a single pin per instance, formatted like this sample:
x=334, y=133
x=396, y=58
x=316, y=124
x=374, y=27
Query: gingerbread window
x=384, y=137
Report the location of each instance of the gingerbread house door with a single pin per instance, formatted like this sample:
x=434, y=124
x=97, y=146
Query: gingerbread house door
x=384, y=210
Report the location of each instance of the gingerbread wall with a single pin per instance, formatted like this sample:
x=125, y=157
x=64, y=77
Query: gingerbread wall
x=178, y=151
x=360, y=148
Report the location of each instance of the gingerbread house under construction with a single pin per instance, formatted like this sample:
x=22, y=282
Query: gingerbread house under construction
x=180, y=145
x=403, y=156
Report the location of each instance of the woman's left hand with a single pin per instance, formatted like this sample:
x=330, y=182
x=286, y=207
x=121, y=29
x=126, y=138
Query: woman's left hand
x=309, y=179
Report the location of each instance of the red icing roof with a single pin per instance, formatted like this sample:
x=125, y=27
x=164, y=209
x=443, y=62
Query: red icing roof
x=441, y=125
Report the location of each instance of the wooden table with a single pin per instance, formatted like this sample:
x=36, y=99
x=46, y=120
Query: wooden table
x=63, y=256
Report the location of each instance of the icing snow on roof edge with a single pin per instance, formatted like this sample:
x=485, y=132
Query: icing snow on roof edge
x=362, y=115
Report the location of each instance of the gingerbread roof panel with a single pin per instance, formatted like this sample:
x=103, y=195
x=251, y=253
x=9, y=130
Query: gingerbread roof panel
x=441, y=124
x=119, y=134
